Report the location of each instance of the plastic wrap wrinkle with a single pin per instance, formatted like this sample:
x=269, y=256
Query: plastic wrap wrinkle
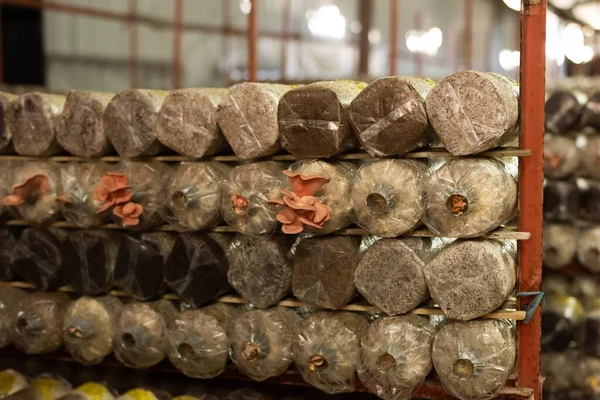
x=261, y=341
x=88, y=328
x=473, y=359
x=396, y=356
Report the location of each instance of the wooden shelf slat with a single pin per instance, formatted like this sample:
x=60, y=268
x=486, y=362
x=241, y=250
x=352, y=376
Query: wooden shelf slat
x=427, y=153
x=505, y=233
x=507, y=310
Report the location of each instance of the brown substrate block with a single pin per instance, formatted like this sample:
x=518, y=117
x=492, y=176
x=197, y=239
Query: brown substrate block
x=560, y=245
x=474, y=111
x=10, y=300
x=88, y=328
x=140, y=263
x=260, y=269
x=7, y=247
x=313, y=119
x=81, y=131
x=140, y=335
x=5, y=125
x=389, y=117
x=34, y=190
x=193, y=195
x=196, y=268
x=473, y=359
x=561, y=323
x=89, y=259
x=562, y=201
x=247, y=116
x=590, y=155
x=387, y=196
x=324, y=270
x=187, y=122
x=261, y=341
x=469, y=197
x=198, y=342
x=563, y=109
x=245, y=193
x=77, y=200
x=390, y=274
x=130, y=122
x=334, y=194
x=471, y=278
x=561, y=157
x=38, y=322
x=589, y=193
x=588, y=248
x=590, y=115
x=37, y=257
x=327, y=349
x=396, y=356
x=35, y=119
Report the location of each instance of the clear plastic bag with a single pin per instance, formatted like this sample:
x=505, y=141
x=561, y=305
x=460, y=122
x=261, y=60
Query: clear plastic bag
x=43, y=387
x=7, y=246
x=473, y=359
x=324, y=186
x=387, y=196
x=245, y=194
x=140, y=337
x=260, y=269
x=187, y=122
x=561, y=323
x=248, y=118
x=471, y=278
x=588, y=248
x=196, y=268
x=390, y=273
x=469, y=197
x=34, y=119
x=396, y=356
x=561, y=201
x=474, y=111
x=560, y=245
x=37, y=257
x=562, y=110
x=88, y=260
x=324, y=270
x=327, y=349
x=77, y=200
x=193, y=195
x=38, y=322
x=34, y=187
x=134, y=193
x=6, y=129
x=388, y=116
x=88, y=328
x=590, y=115
x=130, y=122
x=12, y=382
x=81, y=131
x=198, y=343
x=591, y=329
x=561, y=157
x=10, y=300
x=89, y=391
x=140, y=264
x=589, y=151
x=313, y=119
x=261, y=341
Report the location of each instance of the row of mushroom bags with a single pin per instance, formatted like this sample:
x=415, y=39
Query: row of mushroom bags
x=466, y=278
x=392, y=356
x=453, y=198
x=51, y=386
x=390, y=116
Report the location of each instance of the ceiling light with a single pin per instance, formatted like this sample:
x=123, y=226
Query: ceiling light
x=327, y=22
x=513, y=4
x=588, y=13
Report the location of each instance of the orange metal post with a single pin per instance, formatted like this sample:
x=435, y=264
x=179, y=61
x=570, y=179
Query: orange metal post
x=287, y=22
x=252, y=43
x=133, y=45
x=469, y=34
x=393, y=37
x=176, y=84
x=533, y=61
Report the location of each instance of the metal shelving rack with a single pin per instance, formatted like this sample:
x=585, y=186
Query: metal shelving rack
x=526, y=382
